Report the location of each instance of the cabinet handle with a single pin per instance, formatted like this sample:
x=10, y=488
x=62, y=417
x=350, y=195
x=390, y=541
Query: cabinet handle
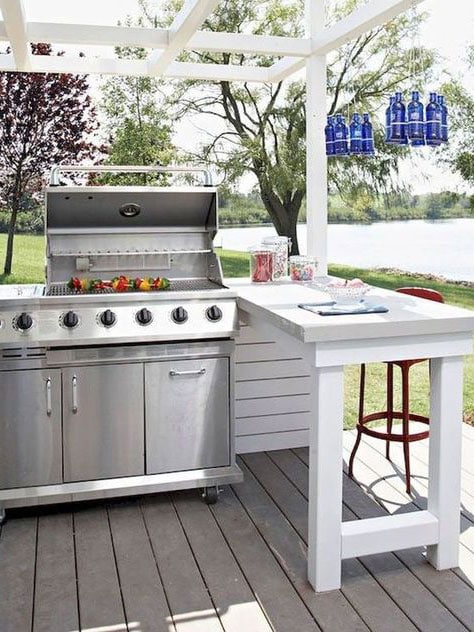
x=49, y=404
x=74, y=394
x=174, y=373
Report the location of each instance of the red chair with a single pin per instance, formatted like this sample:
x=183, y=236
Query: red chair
x=405, y=437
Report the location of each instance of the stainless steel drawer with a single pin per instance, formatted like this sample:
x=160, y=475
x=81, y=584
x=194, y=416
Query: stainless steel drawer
x=187, y=414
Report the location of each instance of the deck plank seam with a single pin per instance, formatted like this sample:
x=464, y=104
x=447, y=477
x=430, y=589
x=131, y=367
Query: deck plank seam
x=117, y=570
x=35, y=565
x=262, y=537
x=196, y=562
x=150, y=542
x=76, y=573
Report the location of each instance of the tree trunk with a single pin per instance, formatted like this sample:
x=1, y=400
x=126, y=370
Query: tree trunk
x=7, y=269
x=284, y=217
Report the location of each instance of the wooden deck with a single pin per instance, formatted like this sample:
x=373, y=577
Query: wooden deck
x=170, y=563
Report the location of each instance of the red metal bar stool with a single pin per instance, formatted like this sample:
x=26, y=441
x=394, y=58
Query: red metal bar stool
x=405, y=415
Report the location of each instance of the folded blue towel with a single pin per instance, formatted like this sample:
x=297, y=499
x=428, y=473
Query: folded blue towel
x=333, y=309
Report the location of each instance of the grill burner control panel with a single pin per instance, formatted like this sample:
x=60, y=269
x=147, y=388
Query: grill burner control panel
x=89, y=324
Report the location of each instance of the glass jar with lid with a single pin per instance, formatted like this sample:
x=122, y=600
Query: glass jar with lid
x=302, y=268
x=261, y=264
x=281, y=246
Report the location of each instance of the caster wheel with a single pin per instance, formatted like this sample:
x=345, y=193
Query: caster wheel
x=210, y=495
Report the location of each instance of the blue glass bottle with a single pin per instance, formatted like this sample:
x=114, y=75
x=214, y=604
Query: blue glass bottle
x=444, y=119
x=433, y=121
x=367, y=136
x=329, y=133
x=398, y=120
x=415, y=122
x=388, y=121
x=355, y=130
x=341, y=147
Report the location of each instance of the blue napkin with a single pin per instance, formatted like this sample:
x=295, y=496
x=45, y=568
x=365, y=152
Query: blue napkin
x=333, y=309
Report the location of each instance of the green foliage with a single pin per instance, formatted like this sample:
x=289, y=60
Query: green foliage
x=137, y=122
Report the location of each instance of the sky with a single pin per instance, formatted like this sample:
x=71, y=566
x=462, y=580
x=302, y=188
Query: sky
x=449, y=29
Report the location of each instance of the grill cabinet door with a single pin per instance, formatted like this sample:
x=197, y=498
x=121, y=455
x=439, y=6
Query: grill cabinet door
x=103, y=425
x=187, y=414
x=30, y=428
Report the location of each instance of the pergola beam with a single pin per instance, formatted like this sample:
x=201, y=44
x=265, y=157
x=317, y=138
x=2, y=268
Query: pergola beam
x=15, y=30
x=185, y=24
x=95, y=35
x=137, y=68
x=361, y=20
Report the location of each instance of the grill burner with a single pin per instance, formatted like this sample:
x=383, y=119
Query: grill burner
x=177, y=285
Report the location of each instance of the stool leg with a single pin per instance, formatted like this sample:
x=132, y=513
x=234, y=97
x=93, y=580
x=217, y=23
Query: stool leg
x=361, y=414
x=389, y=407
x=405, y=423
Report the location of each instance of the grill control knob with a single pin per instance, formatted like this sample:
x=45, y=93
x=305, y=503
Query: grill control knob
x=179, y=315
x=108, y=318
x=213, y=313
x=70, y=320
x=144, y=316
x=24, y=321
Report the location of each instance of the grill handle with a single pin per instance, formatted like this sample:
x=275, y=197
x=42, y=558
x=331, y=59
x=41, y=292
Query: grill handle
x=174, y=373
x=74, y=394
x=49, y=404
x=57, y=169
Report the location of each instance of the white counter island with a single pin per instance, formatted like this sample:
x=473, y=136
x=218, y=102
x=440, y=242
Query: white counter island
x=412, y=328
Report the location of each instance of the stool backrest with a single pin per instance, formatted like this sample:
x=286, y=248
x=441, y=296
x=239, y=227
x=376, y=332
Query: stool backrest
x=422, y=292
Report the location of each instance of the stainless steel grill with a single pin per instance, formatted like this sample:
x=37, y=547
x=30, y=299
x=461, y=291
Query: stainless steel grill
x=127, y=392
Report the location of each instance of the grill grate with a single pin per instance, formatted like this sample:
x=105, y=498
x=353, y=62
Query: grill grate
x=177, y=285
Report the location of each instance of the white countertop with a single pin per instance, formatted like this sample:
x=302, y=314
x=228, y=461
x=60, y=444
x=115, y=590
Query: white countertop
x=277, y=303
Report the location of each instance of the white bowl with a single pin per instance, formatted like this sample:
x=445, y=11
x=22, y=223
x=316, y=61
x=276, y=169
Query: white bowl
x=347, y=294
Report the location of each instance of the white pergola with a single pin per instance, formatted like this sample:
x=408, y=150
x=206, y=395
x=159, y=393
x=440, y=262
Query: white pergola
x=165, y=45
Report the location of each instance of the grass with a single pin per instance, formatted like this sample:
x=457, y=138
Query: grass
x=28, y=267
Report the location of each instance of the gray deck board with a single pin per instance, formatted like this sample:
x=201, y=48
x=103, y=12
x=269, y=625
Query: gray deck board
x=55, y=576
x=172, y=563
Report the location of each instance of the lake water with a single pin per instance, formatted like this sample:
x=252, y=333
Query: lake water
x=440, y=247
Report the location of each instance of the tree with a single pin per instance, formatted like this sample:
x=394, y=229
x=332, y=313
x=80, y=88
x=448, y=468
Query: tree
x=262, y=129
x=45, y=119
x=137, y=123
x=459, y=153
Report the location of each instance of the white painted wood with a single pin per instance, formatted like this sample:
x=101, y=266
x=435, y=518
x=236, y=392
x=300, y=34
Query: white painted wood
x=216, y=72
x=284, y=68
x=186, y=22
x=248, y=43
x=316, y=161
x=263, y=351
x=325, y=480
x=362, y=19
x=275, y=441
x=271, y=369
x=272, y=405
x=15, y=29
x=272, y=388
x=268, y=424
x=403, y=531
x=444, y=486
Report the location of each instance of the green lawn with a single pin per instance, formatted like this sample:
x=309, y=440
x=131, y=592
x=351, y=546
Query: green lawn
x=28, y=267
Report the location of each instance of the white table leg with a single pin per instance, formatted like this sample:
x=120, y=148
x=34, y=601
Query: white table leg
x=444, y=488
x=325, y=479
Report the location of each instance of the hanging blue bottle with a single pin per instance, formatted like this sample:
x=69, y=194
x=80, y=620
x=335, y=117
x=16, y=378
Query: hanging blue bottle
x=415, y=122
x=367, y=137
x=341, y=147
x=398, y=120
x=433, y=121
x=355, y=131
x=388, y=121
x=444, y=119
x=329, y=133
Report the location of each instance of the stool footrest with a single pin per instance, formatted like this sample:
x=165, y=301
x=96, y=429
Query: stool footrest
x=391, y=436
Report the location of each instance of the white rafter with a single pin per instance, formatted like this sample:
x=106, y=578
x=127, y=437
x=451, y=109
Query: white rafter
x=15, y=31
x=138, y=67
x=185, y=24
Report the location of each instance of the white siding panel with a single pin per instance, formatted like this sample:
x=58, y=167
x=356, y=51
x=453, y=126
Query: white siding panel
x=272, y=388
x=272, y=423
x=260, y=351
x=270, y=369
x=271, y=405
x=275, y=441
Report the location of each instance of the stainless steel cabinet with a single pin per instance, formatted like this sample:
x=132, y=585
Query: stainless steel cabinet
x=30, y=428
x=103, y=421
x=187, y=414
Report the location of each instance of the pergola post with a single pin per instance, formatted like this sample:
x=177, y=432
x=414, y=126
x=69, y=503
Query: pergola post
x=316, y=161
